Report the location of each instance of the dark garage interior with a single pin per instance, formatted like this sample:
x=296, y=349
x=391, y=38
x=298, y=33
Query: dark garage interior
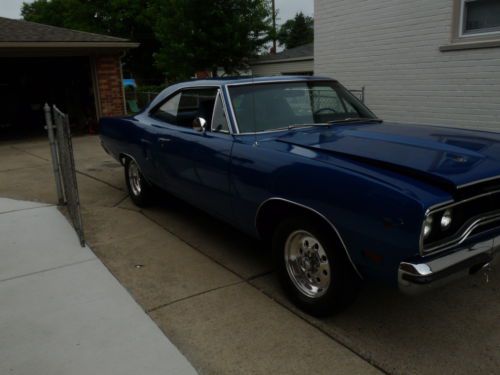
x=78, y=72
x=27, y=83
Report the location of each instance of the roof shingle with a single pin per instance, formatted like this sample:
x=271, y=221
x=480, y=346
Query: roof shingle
x=24, y=31
x=304, y=51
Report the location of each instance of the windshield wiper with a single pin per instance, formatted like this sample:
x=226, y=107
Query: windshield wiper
x=294, y=126
x=350, y=120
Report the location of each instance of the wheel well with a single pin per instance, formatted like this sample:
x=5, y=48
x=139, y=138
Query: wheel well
x=273, y=212
x=123, y=158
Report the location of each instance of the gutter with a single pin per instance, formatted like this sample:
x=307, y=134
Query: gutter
x=69, y=45
x=278, y=61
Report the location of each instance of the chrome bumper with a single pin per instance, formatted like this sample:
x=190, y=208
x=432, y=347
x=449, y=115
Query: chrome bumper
x=415, y=278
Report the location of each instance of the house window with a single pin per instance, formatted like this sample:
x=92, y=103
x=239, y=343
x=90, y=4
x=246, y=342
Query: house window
x=479, y=17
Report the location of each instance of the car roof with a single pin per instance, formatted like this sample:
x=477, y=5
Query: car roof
x=247, y=79
x=227, y=81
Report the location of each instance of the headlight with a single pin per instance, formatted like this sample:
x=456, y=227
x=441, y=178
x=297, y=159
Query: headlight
x=428, y=226
x=446, y=220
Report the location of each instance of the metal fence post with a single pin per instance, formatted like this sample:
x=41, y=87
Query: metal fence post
x=53, y=151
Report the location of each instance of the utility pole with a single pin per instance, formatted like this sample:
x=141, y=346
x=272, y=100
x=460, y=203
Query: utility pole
x=274, y=26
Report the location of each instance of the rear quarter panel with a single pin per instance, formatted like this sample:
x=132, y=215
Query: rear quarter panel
x=128, y=136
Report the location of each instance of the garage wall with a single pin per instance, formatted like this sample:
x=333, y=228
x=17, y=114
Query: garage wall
x=278, y=68
x=392, y=48
x=108, y=76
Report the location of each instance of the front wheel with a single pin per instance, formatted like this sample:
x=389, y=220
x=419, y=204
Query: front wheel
x=139, y=189
x=313, y=267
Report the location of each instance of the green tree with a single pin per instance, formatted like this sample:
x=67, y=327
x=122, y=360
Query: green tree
x=128, y=19
x=297, y=31
x=199, y=34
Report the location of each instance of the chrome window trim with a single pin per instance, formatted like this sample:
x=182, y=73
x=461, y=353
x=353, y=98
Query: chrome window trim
x=259, y=83
x=230, y=106
x=266, y=81
x=317, y=213
x=465, y=232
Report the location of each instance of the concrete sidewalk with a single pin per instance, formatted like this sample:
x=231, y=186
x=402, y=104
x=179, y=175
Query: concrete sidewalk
x=62, y=310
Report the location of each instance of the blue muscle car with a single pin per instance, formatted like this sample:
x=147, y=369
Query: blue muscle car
x=341, y=195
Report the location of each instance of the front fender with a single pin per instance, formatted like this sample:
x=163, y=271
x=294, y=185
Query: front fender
x=378, y=213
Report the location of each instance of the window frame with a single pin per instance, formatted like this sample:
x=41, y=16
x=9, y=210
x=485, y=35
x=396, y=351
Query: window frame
x=461, y=23
x=180, y=90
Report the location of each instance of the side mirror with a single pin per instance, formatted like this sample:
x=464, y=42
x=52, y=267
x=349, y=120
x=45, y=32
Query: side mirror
x=200, y=124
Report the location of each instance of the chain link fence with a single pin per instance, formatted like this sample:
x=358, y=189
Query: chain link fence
x=58, y=129
x=359, y=93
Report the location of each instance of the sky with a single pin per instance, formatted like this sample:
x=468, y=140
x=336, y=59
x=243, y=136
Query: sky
x=287, y=8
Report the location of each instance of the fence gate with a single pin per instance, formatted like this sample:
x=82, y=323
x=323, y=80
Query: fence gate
x=64, y=165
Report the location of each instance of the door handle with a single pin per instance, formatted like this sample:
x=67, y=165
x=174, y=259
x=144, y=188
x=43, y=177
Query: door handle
x=163, y=141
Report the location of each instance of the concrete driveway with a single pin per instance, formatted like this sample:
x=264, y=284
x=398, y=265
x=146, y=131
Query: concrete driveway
x=213, y=293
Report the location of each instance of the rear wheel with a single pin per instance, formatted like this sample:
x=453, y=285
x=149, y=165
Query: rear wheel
x=139, y=189
x=313, y=267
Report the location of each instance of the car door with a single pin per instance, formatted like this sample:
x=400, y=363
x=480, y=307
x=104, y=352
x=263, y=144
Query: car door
x=212, y=159
x=194, y=164
x=170, y=156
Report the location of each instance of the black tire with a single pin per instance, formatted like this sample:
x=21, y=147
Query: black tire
x=140, y=191
x=343, y=282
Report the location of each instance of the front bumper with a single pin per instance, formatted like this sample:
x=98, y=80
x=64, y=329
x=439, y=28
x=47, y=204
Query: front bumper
x=417, y=277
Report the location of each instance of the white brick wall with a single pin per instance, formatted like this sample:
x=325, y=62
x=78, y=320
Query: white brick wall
x=392, y=48
x=282, y=68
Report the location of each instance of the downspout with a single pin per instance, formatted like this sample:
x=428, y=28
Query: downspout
x=95, y=85
x=124, y=102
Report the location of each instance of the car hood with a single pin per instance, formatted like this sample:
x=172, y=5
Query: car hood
x=449, y=156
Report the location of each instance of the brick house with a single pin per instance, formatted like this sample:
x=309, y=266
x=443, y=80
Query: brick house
x=427, y=61
x=80, y=72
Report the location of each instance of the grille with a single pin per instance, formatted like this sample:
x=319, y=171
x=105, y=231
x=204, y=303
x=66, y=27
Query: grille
x=471, y=216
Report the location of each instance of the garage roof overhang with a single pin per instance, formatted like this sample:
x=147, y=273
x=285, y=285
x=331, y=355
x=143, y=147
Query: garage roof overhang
x=63, y=48
x=23, y=38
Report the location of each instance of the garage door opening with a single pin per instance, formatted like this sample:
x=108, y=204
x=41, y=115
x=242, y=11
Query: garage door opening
x=26, y=83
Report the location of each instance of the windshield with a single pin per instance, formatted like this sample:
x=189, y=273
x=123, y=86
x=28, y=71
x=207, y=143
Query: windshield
x=261, y=107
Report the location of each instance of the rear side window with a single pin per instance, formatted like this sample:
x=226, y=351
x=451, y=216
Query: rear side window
x=168, y=111
x=182, y=108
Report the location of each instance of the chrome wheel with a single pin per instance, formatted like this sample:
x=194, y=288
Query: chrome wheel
x=307, y=264
x=134, y=178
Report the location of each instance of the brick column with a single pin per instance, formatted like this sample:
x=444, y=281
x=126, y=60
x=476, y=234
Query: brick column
x=109, y=85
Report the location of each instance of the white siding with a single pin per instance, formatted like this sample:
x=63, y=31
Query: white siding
x=392, y=48
x=271, y=69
